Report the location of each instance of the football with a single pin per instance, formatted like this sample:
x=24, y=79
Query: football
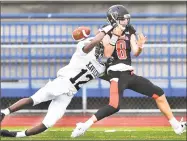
x=81, y=33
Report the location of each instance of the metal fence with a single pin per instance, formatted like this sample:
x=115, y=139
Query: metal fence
x=88, y=15
x=32, y=52
x=60, y=32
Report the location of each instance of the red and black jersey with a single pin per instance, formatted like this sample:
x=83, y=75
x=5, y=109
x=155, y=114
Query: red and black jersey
x=122, y=50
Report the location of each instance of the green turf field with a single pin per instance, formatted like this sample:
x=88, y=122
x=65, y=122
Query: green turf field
x=130, y=133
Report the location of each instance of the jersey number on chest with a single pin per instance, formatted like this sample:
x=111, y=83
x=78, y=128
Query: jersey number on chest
x=121, y=49
x=79, y=75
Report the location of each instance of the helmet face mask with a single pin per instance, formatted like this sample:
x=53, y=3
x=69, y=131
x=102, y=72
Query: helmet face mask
x=123, y=22
x=126, y=16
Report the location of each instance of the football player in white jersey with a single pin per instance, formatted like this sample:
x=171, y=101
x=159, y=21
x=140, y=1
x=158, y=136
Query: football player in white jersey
x=83, y=67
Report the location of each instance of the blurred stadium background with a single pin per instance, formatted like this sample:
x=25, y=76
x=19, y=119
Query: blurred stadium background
x=36, y=41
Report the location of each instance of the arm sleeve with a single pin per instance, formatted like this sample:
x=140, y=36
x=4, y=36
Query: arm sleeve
x=106, y=29
x=80, y=47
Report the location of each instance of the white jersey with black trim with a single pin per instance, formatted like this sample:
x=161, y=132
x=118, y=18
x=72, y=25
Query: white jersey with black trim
x=82, y=67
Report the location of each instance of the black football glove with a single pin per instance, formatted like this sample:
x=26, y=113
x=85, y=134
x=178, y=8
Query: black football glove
x=109, y=61
x=131, y=29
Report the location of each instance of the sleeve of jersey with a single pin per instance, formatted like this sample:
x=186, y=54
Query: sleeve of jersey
x=80, y=47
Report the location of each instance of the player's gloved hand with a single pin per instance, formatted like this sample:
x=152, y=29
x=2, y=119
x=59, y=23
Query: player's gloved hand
x=141, y=40
x=116, y=33
x=110, y=61
x=131, y=29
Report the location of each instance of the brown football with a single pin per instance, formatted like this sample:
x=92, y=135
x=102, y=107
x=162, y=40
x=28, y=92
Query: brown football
x=80, y=33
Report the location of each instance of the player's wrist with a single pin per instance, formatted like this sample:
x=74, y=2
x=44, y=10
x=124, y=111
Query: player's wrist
x=139, y=51
x=140, y=47
x=113, y=39
x=106, y=29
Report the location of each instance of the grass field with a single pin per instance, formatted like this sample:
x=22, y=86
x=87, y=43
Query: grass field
x=101, y=133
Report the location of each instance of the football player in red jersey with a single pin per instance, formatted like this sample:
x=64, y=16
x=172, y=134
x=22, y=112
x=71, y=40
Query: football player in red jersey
x=118, y=43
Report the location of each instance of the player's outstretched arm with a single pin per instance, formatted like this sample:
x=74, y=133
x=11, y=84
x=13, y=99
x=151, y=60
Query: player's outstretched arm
x=87, y=48
x=137, y=45
x=117, y=31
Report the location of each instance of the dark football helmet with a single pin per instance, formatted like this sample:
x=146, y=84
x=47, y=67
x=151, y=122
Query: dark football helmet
x=117, y=12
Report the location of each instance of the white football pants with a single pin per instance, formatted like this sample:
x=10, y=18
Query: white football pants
x=60, y=91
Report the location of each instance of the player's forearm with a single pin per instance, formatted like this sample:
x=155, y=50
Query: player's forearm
x=110, y=45
x=94, y=42
x=138, y=51
x=108, y=50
